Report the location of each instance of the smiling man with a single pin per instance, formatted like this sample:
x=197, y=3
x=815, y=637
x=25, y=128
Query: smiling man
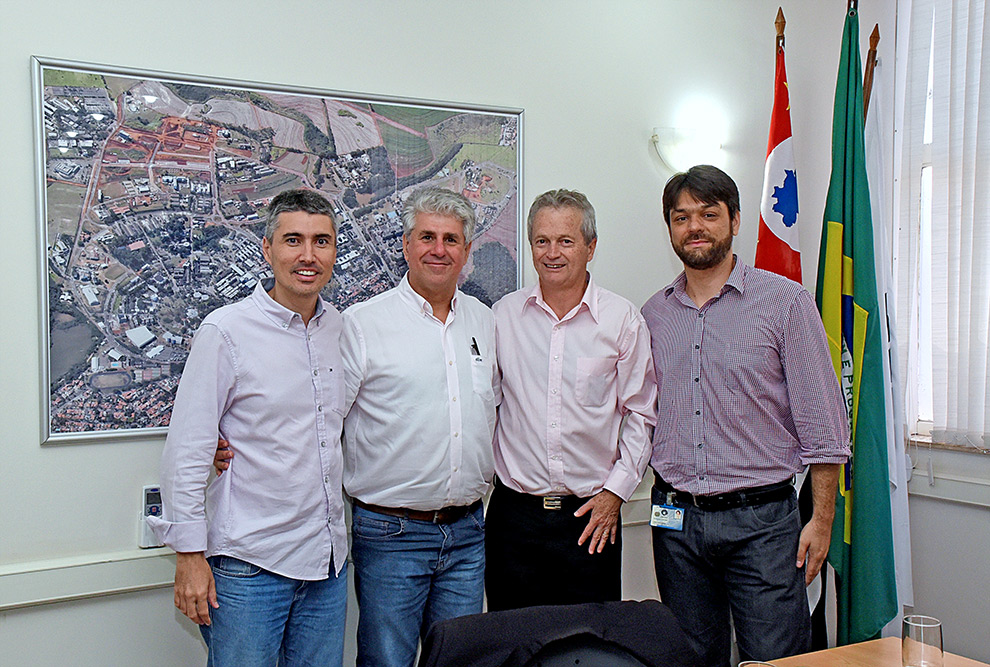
x=262, y=550
x=421, y=388
x=575, y=361
x=747, y=398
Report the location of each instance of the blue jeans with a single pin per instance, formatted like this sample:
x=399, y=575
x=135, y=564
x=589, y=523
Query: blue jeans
x=741, y=561
x=264, y=617
x=410, y=574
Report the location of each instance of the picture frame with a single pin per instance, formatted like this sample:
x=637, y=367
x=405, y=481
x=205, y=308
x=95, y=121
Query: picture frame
x=152, y=188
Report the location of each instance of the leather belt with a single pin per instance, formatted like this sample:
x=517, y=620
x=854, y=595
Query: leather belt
x=757, y=495
x=442, y=515
x=553, y=503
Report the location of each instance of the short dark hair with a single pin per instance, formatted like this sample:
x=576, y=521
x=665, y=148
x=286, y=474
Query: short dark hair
x=565, y=199
x=708, y=184
x=300, y=199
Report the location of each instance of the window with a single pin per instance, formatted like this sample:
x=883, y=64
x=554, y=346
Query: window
x=943, y=241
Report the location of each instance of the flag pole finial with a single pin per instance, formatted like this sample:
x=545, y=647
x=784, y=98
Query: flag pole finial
x=871, y=64
x=852, y=6
x=780, y=23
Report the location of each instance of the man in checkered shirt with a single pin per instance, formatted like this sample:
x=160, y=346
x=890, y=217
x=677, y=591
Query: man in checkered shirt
x=747, y=398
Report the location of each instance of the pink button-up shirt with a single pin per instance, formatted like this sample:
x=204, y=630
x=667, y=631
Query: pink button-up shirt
x=566, y=386
x=273, y=387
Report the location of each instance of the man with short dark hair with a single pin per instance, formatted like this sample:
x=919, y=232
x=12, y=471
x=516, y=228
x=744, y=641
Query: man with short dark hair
x=747, y=398
x=262, y=550
x=421, y=391
x=575, y=362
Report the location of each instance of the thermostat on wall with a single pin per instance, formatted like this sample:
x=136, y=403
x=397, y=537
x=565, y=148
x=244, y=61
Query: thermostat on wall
x=151, y=505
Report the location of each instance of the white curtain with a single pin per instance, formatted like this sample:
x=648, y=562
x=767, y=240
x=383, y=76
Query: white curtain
x=954, y=36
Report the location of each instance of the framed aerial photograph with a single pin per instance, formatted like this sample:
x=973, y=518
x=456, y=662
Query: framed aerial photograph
x=152, y=191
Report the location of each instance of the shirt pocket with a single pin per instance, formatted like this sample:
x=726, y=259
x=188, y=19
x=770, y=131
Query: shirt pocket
x=594, y=380
x=481, y=377
x=335, y=388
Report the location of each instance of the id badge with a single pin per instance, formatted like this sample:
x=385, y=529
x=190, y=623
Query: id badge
x=667, y=516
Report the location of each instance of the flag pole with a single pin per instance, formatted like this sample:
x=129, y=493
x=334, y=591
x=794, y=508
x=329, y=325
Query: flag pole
x=871, y=63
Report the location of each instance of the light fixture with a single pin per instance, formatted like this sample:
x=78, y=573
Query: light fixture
x=683, y=147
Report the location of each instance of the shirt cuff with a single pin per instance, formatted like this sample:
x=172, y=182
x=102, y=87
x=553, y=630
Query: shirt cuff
x=188, y=536
x=621, y=484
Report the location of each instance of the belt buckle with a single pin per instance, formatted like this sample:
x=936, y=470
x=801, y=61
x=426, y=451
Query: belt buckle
x=552, y=502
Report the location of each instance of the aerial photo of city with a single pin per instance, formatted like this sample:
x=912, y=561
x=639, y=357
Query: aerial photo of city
x=155, y=193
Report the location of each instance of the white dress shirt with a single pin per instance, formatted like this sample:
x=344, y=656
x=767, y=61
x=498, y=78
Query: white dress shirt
x=421, y=395
x=567, y=384
x=272, y=387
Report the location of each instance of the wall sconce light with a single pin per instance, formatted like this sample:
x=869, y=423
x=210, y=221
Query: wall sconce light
x=683, y=147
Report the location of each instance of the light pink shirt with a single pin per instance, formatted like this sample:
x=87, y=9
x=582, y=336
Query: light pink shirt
x=566, y=386
x=273, y=387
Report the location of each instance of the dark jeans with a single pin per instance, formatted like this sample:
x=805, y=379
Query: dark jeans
x=533, y=558
x=740, y=560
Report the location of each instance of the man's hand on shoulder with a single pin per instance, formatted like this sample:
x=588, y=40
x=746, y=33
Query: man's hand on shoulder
x=602, y=527
x=221, y=460
x=195, y=590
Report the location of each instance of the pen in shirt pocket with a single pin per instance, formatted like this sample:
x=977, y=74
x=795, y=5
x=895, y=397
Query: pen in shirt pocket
x=474, y=347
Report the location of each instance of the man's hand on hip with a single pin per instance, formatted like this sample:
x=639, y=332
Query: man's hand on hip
x=195, y=590
x=602, y=527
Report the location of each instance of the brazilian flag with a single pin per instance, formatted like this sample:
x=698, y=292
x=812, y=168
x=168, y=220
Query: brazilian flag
x=861, y=552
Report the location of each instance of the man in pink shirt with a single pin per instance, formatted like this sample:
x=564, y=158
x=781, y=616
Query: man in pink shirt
x=261, y=552
x=575, y=360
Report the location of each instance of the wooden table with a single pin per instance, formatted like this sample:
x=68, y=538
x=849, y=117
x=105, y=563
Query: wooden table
x=884, y=652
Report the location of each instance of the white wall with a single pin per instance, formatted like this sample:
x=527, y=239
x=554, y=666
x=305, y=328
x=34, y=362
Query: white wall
x=594, y=78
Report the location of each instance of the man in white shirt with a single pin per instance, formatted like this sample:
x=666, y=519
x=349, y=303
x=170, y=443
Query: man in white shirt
x=262, y=550
x=575, y=361
x=421, y=389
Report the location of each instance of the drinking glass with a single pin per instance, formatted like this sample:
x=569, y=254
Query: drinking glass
x=921, y=644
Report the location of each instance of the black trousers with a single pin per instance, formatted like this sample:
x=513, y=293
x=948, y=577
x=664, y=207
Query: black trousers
x=532, y=556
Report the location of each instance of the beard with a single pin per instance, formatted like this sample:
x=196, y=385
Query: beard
x=701, y=259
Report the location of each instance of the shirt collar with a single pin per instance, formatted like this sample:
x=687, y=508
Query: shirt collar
x=736, y=280
x=589, y=300
x=275, y=311
x=416, y=301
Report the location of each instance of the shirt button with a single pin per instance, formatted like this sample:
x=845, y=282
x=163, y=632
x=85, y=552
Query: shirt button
x=454, y=399
x=450, y=363
x=315, y=373
x=556, y=357
x=697, y=379
x=319, y=408
x=701, y=314
x=701, y=476
x=326, y=479
x=553, y=424
x=456, y=434
x=697, y=412
x=701, y=444
x=553, y=391
x=697, y=347
x=323, y=443
x=285, y=325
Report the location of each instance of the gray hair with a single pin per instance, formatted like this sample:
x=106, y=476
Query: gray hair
x=290, y=201
x=442, y=202
x=565, y=199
